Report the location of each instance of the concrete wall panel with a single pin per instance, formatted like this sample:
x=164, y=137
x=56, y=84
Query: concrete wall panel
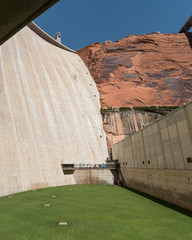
x=129, y=152
x=126, y=153
x=135, y=150
x=158, y=146
x=167, y=145
x=168, y=154
x=175, y=142
x=141, y=150
x=115, y=153
x=121, y=153
x=147, y=148
x=184, y=136
x=152, y=148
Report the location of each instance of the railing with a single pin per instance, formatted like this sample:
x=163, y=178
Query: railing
x=88, y=166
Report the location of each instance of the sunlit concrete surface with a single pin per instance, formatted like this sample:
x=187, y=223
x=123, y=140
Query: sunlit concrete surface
x=49, y=114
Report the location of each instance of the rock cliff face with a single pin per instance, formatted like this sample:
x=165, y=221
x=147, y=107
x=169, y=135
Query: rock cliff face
x=142, y=70
x=120, y=124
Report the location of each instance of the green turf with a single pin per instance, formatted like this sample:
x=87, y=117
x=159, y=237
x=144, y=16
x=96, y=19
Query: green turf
x=92, y=212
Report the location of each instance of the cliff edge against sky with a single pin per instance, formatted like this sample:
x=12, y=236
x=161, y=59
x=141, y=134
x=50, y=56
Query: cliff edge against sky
x=141, y=70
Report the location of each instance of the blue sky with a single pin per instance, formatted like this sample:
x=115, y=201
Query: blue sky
x=82, y=22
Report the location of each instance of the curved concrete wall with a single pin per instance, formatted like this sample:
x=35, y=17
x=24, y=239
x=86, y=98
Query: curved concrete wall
x=49, y=114
x=46, y=37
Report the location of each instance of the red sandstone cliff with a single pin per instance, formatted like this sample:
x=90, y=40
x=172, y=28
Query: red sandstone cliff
x=120, y=124
x=142, y=70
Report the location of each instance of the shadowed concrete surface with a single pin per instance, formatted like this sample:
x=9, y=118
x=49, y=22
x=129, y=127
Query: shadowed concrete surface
x=49, y=114
x=15, y=14
x=158, y=159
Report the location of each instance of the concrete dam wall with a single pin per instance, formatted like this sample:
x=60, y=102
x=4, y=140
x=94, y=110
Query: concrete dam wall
x=49, y=113
x=158, y=159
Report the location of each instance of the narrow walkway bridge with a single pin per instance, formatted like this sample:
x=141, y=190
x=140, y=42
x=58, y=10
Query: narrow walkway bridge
x=112, y=165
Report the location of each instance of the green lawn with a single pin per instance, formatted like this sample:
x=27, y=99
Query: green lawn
x=92, y=212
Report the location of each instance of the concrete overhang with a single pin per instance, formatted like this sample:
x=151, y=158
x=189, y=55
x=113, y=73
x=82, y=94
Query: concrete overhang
x=15, y=14
x=187, y=26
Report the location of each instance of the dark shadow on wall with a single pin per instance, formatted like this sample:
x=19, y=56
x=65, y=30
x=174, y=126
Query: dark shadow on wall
x=162, y=202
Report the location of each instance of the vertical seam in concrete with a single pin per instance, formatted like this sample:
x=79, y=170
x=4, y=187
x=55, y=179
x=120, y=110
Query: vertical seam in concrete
x=159, y=129
x=151, y=164
x=180, y=140
x=170, y=143
x=143, y=147
x=155, y=148
x=132, y=152
x=124, y=151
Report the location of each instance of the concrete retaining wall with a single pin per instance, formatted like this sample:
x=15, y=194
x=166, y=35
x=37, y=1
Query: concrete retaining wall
x=93, y=176
x=157, y=159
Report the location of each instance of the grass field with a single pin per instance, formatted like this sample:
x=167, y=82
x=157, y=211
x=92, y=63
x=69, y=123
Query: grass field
x=93, y=212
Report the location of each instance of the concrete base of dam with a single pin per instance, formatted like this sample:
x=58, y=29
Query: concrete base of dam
x=93, y=176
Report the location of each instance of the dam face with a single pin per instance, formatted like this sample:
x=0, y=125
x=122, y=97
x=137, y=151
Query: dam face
x=49, y=114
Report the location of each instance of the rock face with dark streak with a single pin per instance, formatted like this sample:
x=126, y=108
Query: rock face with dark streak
x=120, y=124
x=141, y=70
